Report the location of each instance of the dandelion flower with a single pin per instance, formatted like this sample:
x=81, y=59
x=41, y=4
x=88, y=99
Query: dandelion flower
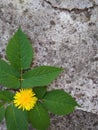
x=25, y=99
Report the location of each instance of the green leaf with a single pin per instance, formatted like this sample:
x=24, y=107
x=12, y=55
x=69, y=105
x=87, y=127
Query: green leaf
x=39, y=117
x=6, y=96
x=59, y=102
x=19, y=51
x=1, y=103
x=2, y=113
x=16, y=119
x=8, y=76
x=39, y=91
x=40, y=76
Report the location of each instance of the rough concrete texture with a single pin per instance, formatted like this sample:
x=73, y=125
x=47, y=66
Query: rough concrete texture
x=65, y=34
x=71, y=4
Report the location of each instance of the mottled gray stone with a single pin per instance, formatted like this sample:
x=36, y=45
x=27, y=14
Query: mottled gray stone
x=71, y=4
x=61, y=38
x=78, y=120
x=63, y=33
x=96, y=1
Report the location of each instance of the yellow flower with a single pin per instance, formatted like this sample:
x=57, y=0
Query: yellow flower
x=25, y=99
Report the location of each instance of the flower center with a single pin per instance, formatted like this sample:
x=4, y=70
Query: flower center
x=25, y=99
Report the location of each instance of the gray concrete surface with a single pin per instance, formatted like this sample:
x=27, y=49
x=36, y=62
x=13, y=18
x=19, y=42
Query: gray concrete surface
x=64, y=33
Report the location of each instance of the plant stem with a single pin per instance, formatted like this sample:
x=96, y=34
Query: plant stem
x=21, y=77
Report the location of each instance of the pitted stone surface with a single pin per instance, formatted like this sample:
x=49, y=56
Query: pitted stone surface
x=71, y=4
x=78, y=120
x=62, y=36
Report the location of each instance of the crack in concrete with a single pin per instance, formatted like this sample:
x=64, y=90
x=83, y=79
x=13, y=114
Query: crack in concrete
x=76, y=10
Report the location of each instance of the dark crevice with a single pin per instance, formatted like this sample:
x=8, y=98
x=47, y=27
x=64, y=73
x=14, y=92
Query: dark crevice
x=77, y=10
